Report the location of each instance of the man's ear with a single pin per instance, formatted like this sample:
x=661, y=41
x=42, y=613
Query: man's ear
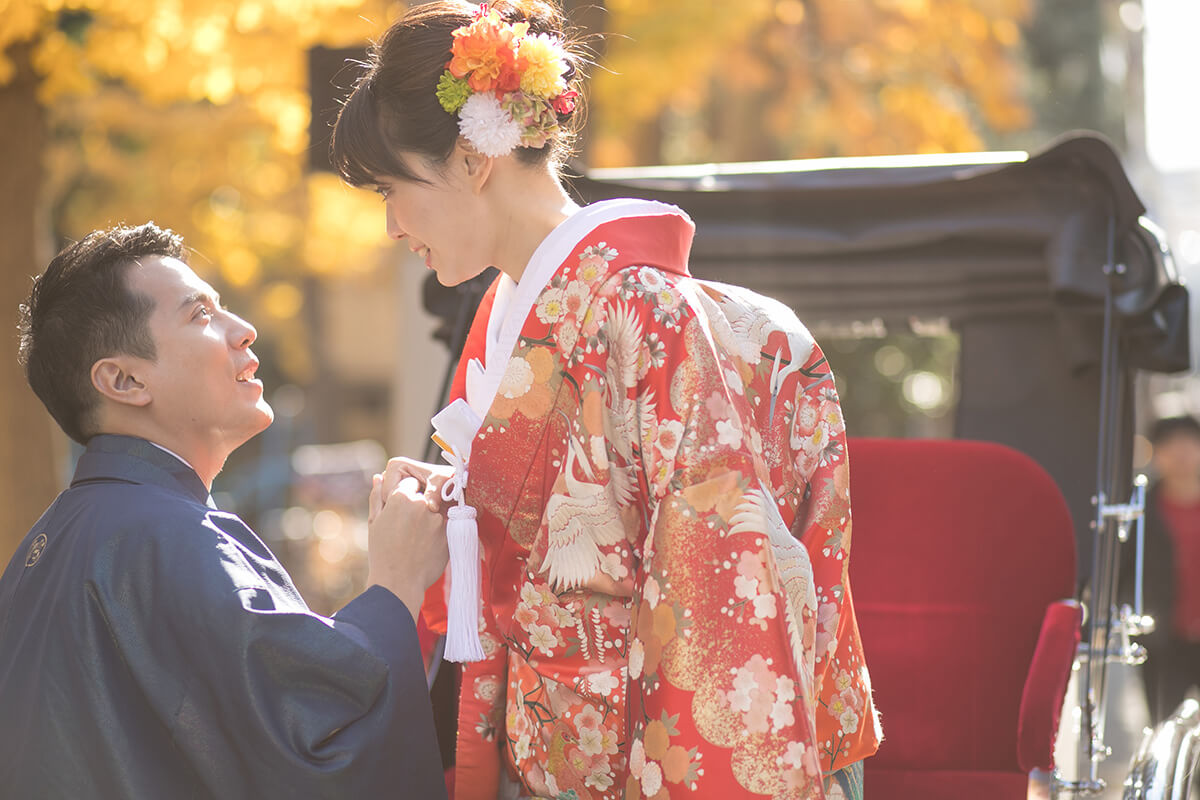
x=478, y=168
x=117, y=379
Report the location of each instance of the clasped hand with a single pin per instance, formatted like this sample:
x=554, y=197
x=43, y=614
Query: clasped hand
x=406, y=550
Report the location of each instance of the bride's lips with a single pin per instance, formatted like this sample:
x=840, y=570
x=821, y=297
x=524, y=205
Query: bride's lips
x=422, y=251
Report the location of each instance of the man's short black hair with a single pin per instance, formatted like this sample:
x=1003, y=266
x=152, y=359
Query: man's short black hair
x=1170, y=427
x=80, y=311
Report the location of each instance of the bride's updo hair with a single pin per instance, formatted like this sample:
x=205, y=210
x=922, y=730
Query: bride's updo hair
x=394, y=106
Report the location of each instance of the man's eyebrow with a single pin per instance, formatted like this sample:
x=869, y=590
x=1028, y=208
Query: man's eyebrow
x=198, y=297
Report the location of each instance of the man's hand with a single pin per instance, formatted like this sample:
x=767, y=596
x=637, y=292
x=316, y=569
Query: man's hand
x=431, y=478
x=406, y=550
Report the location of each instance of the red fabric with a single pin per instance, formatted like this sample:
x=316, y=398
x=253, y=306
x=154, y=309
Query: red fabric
x=899, y=784
x=1041, y=701
x=433, y=608
x=432, y=623
x=426, y=637
x=959, y=548
x=475, y=345
x=1183, y=526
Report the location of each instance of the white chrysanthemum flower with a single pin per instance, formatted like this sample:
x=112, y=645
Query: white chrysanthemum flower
x=652, y=779
x=489, y=128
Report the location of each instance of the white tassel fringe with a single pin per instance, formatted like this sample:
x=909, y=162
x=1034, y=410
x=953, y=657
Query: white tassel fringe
x=462, y=614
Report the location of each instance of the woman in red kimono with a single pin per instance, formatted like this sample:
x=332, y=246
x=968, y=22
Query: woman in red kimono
x=657, y=465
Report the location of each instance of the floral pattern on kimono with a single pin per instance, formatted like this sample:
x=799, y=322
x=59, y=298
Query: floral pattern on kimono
x=663, y=493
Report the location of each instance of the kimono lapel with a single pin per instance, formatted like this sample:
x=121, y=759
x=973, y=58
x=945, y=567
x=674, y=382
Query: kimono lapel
x=510, y=453
x=663, y=230
x=513, y=455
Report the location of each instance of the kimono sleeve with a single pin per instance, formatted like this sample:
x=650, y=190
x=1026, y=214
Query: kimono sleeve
x=847, y=723
x=263, y=697
x=721, y=698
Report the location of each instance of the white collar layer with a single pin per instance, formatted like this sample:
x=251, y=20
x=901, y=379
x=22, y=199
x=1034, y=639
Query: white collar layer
x=514, y=301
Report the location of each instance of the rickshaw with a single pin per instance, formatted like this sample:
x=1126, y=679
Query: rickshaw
x=963, y=567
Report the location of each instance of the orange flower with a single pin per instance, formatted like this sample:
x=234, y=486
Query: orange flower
x=485, y=53
x=656, y=740
x=675, y=764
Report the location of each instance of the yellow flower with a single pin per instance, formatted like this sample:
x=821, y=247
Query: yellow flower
x=543, y=67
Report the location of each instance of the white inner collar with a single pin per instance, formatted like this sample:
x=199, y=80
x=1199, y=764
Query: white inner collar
x=514, y=301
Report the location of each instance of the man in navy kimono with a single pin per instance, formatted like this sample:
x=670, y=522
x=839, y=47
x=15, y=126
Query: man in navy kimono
x=151, y=646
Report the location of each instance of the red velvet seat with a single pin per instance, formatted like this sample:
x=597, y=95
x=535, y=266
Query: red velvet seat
x=961, y=554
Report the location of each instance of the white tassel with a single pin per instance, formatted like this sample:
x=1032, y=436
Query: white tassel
x=456, y=426
x=462, y=616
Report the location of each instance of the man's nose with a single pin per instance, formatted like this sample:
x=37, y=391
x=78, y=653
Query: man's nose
x=241, y=332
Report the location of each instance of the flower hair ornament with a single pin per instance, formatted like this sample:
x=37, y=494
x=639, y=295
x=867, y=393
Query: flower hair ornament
x=507, y=86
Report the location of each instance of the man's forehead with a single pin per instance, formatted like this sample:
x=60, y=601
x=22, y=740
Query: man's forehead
x=164, y=276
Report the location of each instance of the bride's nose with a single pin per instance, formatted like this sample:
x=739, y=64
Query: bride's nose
x=394, y=231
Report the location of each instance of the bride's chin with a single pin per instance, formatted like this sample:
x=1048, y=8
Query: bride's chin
x=448, y=279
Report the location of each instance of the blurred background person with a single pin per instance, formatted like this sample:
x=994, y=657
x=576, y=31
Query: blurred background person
x=1172, y=565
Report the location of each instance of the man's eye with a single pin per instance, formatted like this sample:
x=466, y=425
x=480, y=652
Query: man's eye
x=204, y=311
x=382, y=191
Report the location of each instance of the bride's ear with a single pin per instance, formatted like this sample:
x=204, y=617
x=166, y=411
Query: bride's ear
x=477, y=168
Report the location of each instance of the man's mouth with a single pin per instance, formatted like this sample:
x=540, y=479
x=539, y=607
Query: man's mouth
x=247, y=374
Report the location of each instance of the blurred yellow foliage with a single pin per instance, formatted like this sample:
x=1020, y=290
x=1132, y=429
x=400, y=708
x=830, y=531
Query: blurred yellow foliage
x=172, y=50
x=282, y=300
x=695, y=80
x=345, y=227
x=195, y=113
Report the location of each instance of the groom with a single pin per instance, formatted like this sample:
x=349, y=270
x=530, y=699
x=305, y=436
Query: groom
x=151, y=645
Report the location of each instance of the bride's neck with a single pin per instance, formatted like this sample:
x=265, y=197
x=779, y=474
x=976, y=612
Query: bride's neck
x=527, y=204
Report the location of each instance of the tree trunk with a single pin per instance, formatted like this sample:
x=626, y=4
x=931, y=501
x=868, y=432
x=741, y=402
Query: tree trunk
x=28, y=480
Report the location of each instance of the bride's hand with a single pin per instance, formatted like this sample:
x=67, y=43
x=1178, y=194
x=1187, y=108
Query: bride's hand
x=431, y=477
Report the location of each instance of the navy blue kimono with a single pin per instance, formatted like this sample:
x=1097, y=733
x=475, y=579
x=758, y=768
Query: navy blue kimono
x=153, y=647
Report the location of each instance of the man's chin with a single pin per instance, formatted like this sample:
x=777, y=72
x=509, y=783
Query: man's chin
x=266, y=415
x=257, y=421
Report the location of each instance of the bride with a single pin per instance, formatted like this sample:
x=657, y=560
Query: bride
x=654, y=467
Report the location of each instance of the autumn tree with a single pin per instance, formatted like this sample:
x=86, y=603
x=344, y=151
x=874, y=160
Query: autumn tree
x=193, y=113
x=27, y=463
x=764, y=79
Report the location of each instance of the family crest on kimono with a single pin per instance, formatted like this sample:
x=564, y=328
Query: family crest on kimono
x=652, y=467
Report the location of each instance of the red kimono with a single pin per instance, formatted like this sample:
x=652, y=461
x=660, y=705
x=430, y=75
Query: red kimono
x=663, y=495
